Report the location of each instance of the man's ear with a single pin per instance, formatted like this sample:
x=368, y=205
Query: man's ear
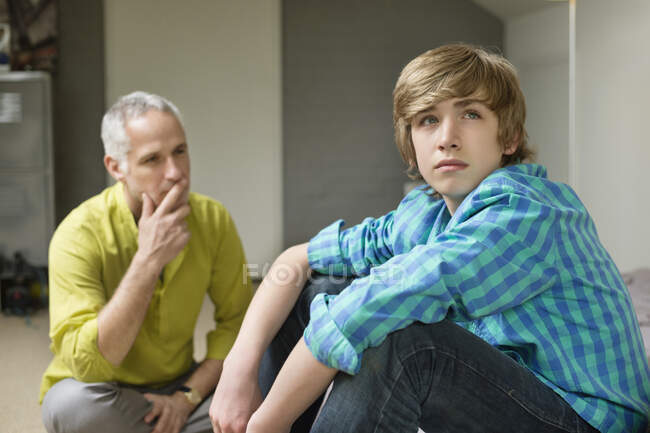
x=113, y=168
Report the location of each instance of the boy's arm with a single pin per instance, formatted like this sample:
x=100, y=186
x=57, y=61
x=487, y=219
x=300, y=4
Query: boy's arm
x=353, y=251
x=356, y=250
x=300, y=381
x=476, y=269
x=237, y=395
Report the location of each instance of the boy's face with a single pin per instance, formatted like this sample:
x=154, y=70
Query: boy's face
x=456, y=147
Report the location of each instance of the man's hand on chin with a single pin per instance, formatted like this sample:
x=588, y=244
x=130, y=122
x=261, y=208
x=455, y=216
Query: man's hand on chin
x=162, y=230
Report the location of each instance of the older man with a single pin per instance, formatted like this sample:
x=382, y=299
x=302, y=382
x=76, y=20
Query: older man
x=129, y=269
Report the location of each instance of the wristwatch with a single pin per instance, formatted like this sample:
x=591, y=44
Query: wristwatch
x=191, y=394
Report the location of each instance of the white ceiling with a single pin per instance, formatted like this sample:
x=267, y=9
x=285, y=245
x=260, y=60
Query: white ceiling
x=509, y=9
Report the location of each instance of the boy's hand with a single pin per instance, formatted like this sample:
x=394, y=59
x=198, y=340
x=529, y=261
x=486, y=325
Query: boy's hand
x=162, y=231
x=237, y=396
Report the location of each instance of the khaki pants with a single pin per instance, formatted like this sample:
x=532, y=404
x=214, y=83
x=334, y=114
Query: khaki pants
x=71, y=406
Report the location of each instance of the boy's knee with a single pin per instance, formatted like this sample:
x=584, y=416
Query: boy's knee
x=73, y=406
x=410, y=347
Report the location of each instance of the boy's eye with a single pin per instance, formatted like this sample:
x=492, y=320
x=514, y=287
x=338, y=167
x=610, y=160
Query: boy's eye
x=428, y=120
x=472, y=115
x=151, y=159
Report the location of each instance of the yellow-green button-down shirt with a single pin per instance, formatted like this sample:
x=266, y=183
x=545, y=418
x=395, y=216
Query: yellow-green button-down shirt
x=90, y=253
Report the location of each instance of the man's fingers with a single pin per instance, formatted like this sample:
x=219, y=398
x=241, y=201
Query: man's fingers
x=181, y=213
x=155, y=409
x=147, y=205
x=163, y=421
x=150, y=416
x=178, y=425
x=169, y=202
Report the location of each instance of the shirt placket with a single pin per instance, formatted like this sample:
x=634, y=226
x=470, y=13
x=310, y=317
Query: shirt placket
x=157, y=307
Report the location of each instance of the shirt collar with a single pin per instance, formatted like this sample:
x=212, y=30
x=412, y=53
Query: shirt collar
x=127, y=219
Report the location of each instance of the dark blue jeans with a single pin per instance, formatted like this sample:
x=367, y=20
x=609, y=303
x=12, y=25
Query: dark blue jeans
x=438, y=377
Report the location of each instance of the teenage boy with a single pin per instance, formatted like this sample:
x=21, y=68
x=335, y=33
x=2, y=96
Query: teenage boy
x=483, y=303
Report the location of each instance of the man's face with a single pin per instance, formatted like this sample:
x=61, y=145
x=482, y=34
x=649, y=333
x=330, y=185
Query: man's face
x=456, y=147
x=157, y=160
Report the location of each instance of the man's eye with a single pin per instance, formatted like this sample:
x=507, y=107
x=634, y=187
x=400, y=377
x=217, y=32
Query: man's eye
x=179, y=151
x=472, y=115
x=151, y=159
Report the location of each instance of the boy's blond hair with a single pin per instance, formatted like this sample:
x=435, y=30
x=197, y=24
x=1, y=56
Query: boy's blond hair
x=458, y=71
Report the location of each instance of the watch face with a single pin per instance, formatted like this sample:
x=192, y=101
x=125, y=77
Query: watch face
x=193, y=396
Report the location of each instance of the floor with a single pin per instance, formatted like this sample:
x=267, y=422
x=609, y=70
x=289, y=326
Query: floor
x=24, y=355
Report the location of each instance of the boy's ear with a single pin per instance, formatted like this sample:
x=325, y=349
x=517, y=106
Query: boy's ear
x=511, y=147
x=113, y=168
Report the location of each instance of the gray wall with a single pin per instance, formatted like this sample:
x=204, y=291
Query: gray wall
x=341, y=59
x=78, y=104
x=612, y=152
x=538, y=46
x=220, y=62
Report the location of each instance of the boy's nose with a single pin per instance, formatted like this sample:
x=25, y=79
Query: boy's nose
x=448, y=135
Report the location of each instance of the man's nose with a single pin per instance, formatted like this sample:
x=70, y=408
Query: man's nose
x=448, y=134
x=173, y=170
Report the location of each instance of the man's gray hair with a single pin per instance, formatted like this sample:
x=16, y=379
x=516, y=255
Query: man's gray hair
x=116, y=141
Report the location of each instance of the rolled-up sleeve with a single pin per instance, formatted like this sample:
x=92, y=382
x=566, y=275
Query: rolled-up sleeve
x=230, y=291
x=326, y=341
x=353, y=251
x=76, y=297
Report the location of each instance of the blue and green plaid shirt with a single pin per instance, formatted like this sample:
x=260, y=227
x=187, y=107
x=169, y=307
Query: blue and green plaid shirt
x=519, y=265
